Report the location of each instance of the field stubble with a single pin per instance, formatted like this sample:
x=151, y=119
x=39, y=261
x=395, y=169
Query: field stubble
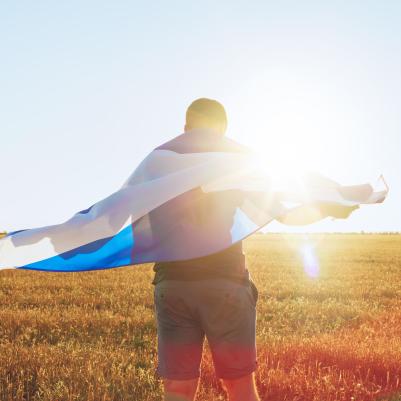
x=92, y=336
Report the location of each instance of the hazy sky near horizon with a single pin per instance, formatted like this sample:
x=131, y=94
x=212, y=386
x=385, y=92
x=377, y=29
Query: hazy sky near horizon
x=88, y=88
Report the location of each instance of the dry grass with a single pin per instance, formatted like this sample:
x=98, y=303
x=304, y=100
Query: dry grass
x=91, y=336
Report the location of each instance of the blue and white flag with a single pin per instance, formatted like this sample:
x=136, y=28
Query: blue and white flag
x=193, y=196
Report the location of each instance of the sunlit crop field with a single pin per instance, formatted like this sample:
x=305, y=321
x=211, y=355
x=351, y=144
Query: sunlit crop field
x=334, y=336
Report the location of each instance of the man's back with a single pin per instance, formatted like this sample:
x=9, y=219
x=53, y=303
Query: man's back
x=219, y=207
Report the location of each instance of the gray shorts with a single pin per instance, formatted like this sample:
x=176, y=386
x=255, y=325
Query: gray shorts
x=222, y=310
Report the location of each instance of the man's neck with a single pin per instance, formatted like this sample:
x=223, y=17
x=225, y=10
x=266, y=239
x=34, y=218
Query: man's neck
x=204, y=131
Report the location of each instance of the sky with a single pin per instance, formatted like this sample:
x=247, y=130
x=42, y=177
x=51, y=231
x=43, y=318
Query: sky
x=89, y=88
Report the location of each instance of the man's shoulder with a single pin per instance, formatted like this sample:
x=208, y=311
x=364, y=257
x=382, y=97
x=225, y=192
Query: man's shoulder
x=199, y=142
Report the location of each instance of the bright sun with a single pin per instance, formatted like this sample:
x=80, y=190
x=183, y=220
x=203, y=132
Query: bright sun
x=293, y=127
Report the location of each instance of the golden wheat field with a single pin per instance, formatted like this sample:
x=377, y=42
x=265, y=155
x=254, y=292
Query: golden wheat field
x=92, y=336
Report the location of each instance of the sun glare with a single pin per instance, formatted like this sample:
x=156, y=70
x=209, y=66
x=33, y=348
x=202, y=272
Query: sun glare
x=310, y=261
x=289, y=124
x=286, y=150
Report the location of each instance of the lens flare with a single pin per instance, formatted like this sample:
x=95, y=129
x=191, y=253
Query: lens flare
x=311, y=263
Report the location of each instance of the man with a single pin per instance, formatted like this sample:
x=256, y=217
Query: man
x=211, y=296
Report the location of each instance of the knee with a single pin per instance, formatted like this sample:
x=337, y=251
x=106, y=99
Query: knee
x=180, y=389
x=233, y=385
x=241, y=388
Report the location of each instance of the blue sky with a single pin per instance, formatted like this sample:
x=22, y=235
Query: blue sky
x=88, y=88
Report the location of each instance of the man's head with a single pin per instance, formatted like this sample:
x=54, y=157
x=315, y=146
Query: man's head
x=206, y=113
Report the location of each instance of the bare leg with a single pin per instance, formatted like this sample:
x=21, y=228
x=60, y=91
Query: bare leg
x=242, y=389
x=180, y=390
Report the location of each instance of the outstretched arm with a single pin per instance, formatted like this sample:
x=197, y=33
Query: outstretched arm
x=312, y=213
